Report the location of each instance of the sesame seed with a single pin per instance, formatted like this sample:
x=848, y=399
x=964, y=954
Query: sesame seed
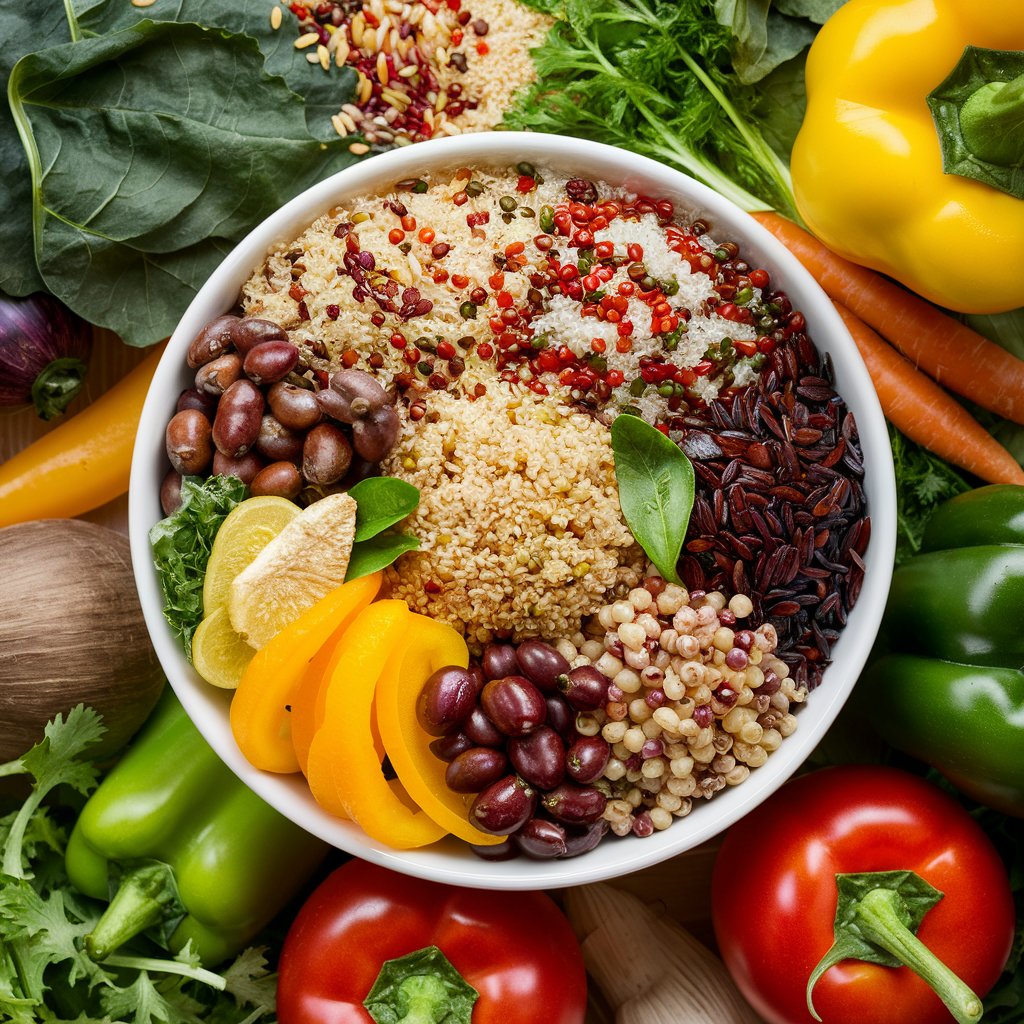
x=359, y=148
x=275, y=18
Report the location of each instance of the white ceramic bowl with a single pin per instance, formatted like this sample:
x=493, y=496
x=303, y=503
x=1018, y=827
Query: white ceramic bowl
x=450, y=860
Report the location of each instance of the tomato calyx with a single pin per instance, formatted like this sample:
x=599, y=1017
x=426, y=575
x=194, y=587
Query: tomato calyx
x=877, y=917
x=421, y=988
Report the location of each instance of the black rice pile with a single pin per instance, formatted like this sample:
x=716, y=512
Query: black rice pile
x=780, y=510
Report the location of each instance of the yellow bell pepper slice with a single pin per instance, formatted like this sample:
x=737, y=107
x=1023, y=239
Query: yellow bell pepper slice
x=344, y=765
x=433, y=645
x=260, y=707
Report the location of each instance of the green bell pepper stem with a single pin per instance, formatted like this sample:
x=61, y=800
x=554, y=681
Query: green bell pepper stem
x=877, y=914
x=147, y=896
x=992, y=122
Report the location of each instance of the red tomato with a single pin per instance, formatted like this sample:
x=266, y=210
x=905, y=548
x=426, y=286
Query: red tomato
x=774, y=895
x=515, y=948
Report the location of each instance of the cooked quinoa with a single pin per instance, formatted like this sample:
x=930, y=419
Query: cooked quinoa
x=519, y=520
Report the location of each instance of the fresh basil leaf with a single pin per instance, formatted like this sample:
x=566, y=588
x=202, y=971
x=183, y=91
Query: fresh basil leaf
x=152, y=151
x=656, y=490
x=378, y=553
x=382, y=501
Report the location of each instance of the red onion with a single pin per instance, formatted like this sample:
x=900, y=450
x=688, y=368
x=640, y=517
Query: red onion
x=43, y=349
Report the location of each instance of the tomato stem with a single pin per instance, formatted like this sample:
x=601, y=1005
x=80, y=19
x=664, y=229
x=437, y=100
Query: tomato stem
x=421, y=988
x=878, y=916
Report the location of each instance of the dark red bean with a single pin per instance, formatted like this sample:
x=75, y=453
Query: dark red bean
x=561, y=717
x=504, y=807
x=499, y=851
x=239, y=414
x=219, y=374
x=360, y=469
x=499, y=660
x=253, y=331
x=451, y=746
x=281, y=479
x=514, y=705
x=481, y=730
x=585, y=688
x=326, y=454
x=170, y=492
x=587, y=759
x=541, y=839
x=355, y=395
x=212, y=341
x=475, y=769
x=575, y=805
x=446, y=700
x=277, y=443
x=374, y=436
x=539, y=758
x=293, y=407
x=191, y=398
x=187, y=440
x=245, y=467
x=541, y=663
x=270, y=362
x=577, y=842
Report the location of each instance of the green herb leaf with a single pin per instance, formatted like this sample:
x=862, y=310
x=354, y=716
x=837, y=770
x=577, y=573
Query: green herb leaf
x=818, y=11
x=656, y=490
x=382, y=501
x=152, y=150
x=422, y=986
x=763, y=38
x=181, y=548
x=378, y=552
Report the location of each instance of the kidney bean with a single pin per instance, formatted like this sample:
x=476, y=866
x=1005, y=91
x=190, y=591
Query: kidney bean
x=212, y=341
x=358, y=395
x=481, y=730
x=499, y=851
x=575, y=805
x=561, y=717
x=187, y=439
x=192, y=398
x=245, y=467
x=282, y=479
x=587, y=759
x=539, y=757
x=374, y=436
x=585, y=688
x=326, y=454
x=446, y=700
x=170, y=492
x=541, y=663
x=451, y=746
x=294, y=407
x=504, y=807
x=499, y=660
x=216, y=376
x=577, y=842
x=541, y=839
x=475, y=769
x=514, y=705
x=277, y=442
x=270, y=362
x=253, y=331
x=239, y=414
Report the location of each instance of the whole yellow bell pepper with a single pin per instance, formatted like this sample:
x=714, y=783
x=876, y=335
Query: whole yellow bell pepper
x=867, y=164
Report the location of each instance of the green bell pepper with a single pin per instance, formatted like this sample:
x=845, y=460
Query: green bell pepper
x=188, y=851
x=952, y=691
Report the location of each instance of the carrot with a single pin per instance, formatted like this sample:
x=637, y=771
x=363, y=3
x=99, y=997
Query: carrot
x=949, y=351
x=926, y=414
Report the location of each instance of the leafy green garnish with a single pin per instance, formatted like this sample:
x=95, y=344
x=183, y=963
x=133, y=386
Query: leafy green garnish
x=656, y=490
x=381, y=501
x=378, y=553
x=181, y=548
x=763, y=38
x=45, y=975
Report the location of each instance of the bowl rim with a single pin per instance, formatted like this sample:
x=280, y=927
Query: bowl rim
x=206, y=705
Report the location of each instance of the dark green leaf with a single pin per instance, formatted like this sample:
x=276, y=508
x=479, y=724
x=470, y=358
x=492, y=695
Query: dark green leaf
x=153, y=150
x=656, y=490
x=378, y=552
x=426, y=979
x=1006, y=329
x=181, y=548
x=818, y=11
x=382, y=501
x=781, y=103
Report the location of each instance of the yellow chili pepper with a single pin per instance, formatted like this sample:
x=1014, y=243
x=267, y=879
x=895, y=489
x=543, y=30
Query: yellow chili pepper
x=432, y=645
x=83, y=463
x=868, y=165
x=260, y=706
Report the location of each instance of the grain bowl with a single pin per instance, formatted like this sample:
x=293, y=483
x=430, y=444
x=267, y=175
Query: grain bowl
x=762, y=389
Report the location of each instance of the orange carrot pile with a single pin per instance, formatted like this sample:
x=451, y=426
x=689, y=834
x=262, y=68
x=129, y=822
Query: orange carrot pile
x=949, y=352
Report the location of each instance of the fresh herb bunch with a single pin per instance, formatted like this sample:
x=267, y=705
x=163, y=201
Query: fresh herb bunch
x=45, y=975
x=656, y=77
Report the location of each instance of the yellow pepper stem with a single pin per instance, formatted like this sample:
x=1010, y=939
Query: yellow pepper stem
x=992, y=122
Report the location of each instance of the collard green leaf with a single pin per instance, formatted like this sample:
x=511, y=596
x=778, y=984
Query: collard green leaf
x=656, y=490
x=153, y=149
x=382, y=501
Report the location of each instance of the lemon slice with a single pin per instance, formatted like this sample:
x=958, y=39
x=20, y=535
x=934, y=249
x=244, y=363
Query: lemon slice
x=219, y=654
x=245, y=532
x=302, y=564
